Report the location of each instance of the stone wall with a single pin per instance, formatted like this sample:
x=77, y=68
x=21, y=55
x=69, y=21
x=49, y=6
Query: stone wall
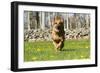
x=41, y=35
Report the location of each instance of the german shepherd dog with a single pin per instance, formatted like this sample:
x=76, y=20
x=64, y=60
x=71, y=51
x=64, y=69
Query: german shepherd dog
x=58, y=33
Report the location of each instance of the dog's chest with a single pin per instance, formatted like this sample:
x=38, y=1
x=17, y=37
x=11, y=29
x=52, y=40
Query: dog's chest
x=56, y=36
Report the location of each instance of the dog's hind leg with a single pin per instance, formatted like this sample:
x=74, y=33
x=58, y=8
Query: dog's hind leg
x=61, y=46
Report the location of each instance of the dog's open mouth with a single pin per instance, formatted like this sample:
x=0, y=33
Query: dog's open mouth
x=58, y=27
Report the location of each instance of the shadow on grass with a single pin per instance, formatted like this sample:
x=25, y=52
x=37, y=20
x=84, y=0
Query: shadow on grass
x=68, y=50
x=82, y=49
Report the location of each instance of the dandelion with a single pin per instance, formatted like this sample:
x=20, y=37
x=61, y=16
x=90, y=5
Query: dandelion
x=86, y=47
x=38, y=49
x=34, y=58
x=51, y=56
x=82, y=56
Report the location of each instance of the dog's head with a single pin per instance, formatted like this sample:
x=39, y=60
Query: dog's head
x=58, y=23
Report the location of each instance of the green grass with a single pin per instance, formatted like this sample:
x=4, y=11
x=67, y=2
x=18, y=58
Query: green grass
x=44, y=50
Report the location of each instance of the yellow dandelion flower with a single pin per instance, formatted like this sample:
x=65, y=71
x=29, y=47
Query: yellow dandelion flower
x=51, y=56
x=34, y=58
x=38, y=49
x=82, y=56
x=86, y=47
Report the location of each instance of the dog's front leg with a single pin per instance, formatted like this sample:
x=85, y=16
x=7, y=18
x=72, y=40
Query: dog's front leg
x=59, y=45
x=55, y=45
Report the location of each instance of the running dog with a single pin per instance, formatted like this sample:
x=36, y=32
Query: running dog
x=58, y=33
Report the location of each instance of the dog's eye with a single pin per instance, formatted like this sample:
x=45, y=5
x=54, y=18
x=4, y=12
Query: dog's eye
x=55, y=23
x=61, y=22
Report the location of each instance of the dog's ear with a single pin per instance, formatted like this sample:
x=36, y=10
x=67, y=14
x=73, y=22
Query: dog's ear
x=62, y=20
x=52, y=22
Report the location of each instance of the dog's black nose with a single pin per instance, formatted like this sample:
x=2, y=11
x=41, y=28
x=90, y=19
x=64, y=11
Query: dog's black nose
x=58, y=27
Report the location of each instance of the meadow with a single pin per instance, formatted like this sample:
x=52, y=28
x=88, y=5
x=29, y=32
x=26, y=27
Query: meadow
x=44, y=50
